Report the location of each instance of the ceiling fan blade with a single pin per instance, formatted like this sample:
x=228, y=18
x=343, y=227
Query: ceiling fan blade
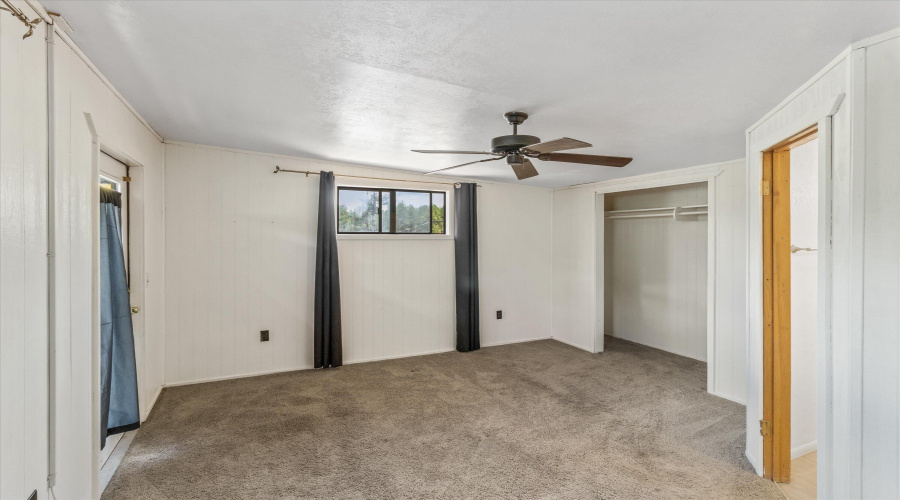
x=452, y=152
x=557, y=145
x=606, y=161
x=524, y=170
x=463, y=165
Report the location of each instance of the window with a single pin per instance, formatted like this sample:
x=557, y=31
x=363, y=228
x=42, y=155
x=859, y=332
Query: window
x=110, y=183
x=391, y=211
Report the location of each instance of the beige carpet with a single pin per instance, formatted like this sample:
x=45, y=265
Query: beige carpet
x=534, y=420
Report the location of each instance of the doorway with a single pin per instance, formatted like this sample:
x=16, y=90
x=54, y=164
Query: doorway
x=790, y=221
x=114, y=176
x=119, y=381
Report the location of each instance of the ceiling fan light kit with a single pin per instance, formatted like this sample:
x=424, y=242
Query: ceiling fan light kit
x=517, y=149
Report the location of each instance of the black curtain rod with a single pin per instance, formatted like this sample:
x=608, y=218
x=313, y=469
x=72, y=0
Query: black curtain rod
x=308, y=173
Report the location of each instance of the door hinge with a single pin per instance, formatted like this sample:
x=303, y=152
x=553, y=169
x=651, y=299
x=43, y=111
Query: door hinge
x=765, y=428
x=764, y=188
x=126, y=178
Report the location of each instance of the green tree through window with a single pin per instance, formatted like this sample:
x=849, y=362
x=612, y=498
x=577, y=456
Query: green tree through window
x=391, y=211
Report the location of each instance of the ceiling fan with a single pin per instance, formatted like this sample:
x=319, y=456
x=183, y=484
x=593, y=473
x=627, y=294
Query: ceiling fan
x=517, y=149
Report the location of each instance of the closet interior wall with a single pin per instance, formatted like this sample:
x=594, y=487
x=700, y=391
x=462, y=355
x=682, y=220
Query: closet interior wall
x=656, y=270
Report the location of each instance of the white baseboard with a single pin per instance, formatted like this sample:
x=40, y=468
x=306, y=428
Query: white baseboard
x=232, y=377
x=518, y=341
x=152, y=404
x=754, y=463
x=353, y=362
x=583, y=348
x=803, y=449
x=399, y=356
x=729, y=398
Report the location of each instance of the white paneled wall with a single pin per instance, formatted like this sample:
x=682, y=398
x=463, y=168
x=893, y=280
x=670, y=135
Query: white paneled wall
x=23, y=259
x=855, y=100
x=574, y=262
x=729, y=378
x=574, y=265
x=397, y=297
x=804, y=294
x=878, y=68
x=656, y=272
x=240, y=252
x=79, y=91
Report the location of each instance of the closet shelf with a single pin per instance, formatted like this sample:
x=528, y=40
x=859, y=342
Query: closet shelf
x=677, y=213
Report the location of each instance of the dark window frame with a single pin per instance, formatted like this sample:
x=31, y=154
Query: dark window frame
x=392, y=230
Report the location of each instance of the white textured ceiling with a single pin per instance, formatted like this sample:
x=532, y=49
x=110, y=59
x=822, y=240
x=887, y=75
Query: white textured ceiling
x=672, y=84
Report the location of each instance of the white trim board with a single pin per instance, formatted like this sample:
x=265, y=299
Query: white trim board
x=87, y=61
x=699, y=173
x=803, y=449
x=733, y=399
x=152, y=404
x=522, y=341
x=354, y=362
x=704, y=173
x=572, y=344
x=707, y=174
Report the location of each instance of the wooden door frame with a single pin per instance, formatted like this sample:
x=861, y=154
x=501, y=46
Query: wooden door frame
x=776, y=424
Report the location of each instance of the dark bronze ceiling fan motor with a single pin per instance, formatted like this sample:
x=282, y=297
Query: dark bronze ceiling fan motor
x=513, y=143
x=517, y=149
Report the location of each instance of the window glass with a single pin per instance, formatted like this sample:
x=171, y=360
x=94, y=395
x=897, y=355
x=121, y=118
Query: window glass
x=110, y=184
x=358, y=211
x=437, y=213
x=391, y=211
x=385, y=211
x=413, y=212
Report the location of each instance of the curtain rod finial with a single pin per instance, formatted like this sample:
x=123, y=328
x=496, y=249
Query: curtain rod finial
x=277, y=169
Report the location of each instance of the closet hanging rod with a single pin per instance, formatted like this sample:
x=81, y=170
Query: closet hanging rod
x=637, y=210
x=308, y=173
x=647, y=216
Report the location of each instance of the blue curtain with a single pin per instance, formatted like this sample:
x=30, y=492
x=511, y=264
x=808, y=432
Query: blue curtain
x=118, y=373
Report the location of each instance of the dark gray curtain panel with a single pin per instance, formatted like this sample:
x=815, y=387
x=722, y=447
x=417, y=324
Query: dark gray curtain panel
x=465, y=208
x=327, y=329
x=118, y=372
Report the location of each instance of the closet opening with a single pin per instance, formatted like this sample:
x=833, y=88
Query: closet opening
x=655, y=268
x=790, y=195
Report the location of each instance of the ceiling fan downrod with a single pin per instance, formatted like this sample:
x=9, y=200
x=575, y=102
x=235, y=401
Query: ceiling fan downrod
x=515, y=118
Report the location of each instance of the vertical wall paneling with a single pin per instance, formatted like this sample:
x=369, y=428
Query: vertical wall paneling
x=241, y=244
x=880, y=409
x=574, y=251
x=655, y=289
x=23, y=259
x=79, y=91
x=804, y=213
x=855, y=101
